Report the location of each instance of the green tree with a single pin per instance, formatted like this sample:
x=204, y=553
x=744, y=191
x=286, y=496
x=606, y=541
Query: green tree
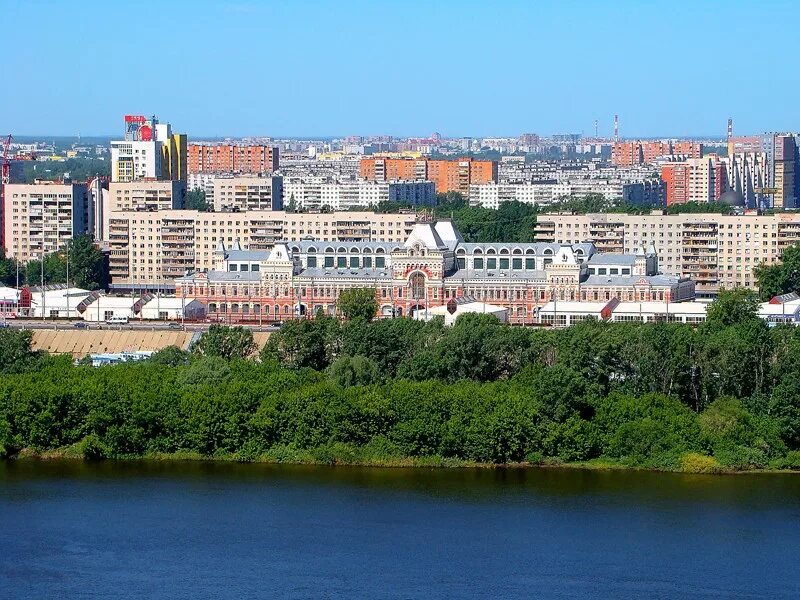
x=53, y=271
x=354, y=370
x=87, y=264
x=196, y=200
x=782, y=277
x=732, y=307
x=358, y=303
x=225, y=342
x=8, y=269
x=16, y=354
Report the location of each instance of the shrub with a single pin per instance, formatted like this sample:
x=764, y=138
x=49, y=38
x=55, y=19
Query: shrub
x=93, y=448
x=694, y=462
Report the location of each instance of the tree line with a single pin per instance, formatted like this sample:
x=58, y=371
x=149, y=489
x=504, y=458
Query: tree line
x=725, y=395
x=86, y=262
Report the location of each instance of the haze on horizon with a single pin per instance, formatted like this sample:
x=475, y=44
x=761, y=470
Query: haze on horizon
x=400, y=68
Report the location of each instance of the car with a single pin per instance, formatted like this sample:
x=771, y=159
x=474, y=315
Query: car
x=4, y=324
x=117, y=321
x=175, y=325
x=80, y=325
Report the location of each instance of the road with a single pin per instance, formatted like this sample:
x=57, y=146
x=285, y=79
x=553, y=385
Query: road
x=65, y=325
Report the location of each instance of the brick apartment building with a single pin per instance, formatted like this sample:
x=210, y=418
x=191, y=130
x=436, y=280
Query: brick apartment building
x=448, y=175
x=230, y=158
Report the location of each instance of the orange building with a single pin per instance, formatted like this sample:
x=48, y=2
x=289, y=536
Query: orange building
x=228, y=158
x=448, y=175
x=676, y=180
x=637, y=152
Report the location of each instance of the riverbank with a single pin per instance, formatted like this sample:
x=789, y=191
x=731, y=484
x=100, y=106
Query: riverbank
x=691, y=463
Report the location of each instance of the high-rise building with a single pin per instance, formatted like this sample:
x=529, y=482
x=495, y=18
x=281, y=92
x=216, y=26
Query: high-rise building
x=248, y=193
x=448, y=175
x=256, y=159
x=42, y=217
x=700, y=180
x=142, y=196
x=149, y=152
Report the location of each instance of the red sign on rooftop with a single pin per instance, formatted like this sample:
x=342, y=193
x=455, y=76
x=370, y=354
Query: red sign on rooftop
x=135, y=119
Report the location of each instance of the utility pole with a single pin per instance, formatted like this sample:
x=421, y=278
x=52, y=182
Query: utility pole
x=67, y=291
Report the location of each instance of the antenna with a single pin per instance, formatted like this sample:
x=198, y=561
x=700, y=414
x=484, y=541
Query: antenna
x=730, y=128
x=616, y=128
x=595, y=128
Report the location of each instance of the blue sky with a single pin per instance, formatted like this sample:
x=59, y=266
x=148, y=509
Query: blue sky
x=476, y=68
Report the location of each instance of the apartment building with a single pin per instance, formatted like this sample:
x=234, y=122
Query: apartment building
x=233, y=158
x=491, y=195
x=713, y=249
x=42, y=217
x=140, y=196
x=150, y=151
x=700, y=180
x=150, y=249
x=448, y=175
x=247, y=193
x=315, y=193
x=638, y=152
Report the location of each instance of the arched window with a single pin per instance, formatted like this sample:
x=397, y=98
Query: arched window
x=417, y=284
x=312, y=250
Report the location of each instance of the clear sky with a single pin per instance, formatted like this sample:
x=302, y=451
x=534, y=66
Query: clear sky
x=462, y=68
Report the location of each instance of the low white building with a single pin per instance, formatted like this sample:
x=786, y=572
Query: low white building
x=169, y=308
x=102, y=308
x=55, y=302
x=457, y=307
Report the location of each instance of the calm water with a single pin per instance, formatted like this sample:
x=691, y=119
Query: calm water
x=189, y=530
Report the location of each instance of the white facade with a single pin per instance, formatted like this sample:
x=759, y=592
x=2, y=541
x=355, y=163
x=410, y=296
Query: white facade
x=491, y=195
x=315, y=193
x=56, y=302
x=42, y=217
x=135, y=160
x=248, y=193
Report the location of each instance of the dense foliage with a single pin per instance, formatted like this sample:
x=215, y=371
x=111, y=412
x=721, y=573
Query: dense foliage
x=782, y=277
x=86, y=262
x=78, y=169
x=725, y=395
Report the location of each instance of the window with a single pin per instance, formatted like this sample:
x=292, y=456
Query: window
x=328, y=261
x=312, y=262
x=491, y=263
x=380, y=262
x=503, y=263
x=417, y=282
x=353, y=262
x=367, y=262
x=516, y=263
x=341, y=262
x=530, y=263
x=233, y=268
x=255, y=267
x=478, y=262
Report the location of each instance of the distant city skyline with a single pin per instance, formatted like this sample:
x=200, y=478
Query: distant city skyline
x=329, y=69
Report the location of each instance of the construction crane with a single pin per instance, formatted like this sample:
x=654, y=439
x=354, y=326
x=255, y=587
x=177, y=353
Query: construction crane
x=6, y=178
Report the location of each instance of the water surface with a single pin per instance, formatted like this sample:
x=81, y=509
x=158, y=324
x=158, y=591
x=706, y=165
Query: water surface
x=211, y=530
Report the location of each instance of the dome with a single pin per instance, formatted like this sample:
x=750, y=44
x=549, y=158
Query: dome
x=732, y=198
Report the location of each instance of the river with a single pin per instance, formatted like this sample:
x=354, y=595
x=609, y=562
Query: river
x=220, y=530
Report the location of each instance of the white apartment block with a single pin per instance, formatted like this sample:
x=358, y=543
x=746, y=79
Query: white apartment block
x=345, y=195
x=42, y=218
x=150, y=249
x=144, y=196
x=135, y=160
x=713, y=249
x=491, y=195
x=247, y=193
